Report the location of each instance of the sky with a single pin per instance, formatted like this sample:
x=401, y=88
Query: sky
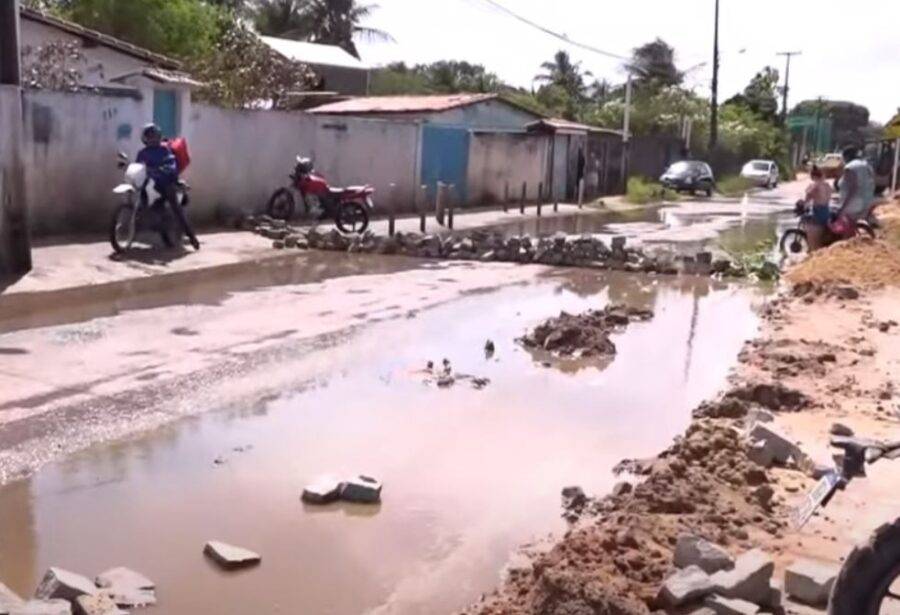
x=850, y=49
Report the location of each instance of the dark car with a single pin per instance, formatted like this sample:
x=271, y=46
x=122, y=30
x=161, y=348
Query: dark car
x=689, y=176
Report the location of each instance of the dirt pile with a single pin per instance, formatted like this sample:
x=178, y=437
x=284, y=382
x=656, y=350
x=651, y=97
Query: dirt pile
x=616, y=558
x=583, y=335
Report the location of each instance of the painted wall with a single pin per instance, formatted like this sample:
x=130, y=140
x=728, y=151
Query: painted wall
x=496, y=159
x=491, y=114
x=103, y=63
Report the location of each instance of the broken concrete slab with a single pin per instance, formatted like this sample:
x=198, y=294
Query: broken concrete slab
x=809, y=581
x=126, y=587
x=324, y=491
x=8, y=599
x=99, y=604
x=730, y=606
x=782, y=450
x=695, y=551
x=362, y=490
x=63, y=584
x=685, y=586
x=43, y=607
x=229, y=556
x=749, y=580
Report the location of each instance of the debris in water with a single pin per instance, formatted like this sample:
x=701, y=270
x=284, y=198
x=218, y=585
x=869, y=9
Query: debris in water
x=489, y=349
x=362, y=490
x=230, y=557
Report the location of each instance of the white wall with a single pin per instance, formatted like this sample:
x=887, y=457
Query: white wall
x=497, y=159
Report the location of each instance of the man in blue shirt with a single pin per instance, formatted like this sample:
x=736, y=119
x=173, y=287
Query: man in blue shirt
x=163, y=170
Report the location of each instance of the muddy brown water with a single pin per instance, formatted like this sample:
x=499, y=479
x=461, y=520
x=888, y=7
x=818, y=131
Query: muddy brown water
x=469, y=475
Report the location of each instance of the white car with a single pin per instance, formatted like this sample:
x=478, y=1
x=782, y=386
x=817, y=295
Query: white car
x=761, y=172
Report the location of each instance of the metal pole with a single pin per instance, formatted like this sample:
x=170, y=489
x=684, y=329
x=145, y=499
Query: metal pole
x=522, y=201
x=714, y=101
x=391, y=209
x=423, y=190
x=896, y=165
x=787, y=81
x=450, y=191
x=540, y=201
x=580, y=193
x=626, y=135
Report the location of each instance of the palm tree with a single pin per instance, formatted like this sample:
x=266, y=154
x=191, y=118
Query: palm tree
x=564, y=73
x=284, y=18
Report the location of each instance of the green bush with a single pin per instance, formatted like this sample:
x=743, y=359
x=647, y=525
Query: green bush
x=734, y=185
x=642, y=191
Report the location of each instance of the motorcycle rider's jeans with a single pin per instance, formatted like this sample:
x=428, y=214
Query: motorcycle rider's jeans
x=171, y=194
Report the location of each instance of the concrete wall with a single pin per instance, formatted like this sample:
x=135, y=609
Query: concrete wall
x=103, y=63
x=491, y=114
x=498, y=159
x=347, y=81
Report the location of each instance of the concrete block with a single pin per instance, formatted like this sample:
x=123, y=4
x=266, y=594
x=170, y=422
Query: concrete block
x=809, y=581
x=43, y=607
x=695, y=551
x=730, y=606
x=750, y=579
x=126, y=587
x=685, y=586
x=99, y=604
x=781, y=448
x=65, y=585
x=324, y=491
x=230, y=557
x=361, y=489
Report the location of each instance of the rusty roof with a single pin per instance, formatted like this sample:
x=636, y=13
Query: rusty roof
x=409, y=104
x=556, y=124
x=99, y=38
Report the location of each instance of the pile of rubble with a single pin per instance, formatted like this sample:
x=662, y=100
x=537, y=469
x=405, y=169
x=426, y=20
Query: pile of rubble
x=561, y=249
x=583, y=335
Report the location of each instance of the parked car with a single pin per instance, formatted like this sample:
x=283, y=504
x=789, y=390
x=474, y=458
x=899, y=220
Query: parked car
x=761, y=172
x=689, y=176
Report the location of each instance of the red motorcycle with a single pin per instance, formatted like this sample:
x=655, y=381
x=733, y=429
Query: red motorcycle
x=349, y=208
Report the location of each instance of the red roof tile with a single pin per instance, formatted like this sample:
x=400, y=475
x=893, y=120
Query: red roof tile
x=402, y=104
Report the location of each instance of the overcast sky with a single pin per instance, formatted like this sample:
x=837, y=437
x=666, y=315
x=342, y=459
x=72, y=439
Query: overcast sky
x=851, y=49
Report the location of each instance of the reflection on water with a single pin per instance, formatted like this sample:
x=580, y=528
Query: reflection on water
x=469, y=475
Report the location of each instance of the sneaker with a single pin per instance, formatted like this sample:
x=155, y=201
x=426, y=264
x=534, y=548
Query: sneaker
x=195, y=243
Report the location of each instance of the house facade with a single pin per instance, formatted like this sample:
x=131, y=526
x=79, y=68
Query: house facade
x=338, y=72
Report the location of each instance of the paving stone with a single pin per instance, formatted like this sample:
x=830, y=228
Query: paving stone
x=685, y=586
x=43, y=607
x=750, y=580
x=59, y=583
x=230, y=557
x=731, y=606
x=361, y=489
x=99, y=604
x=126, y=587
x=809, y=581
x=324, y=491
x=695, y=551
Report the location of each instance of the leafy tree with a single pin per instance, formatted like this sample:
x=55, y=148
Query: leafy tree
x=565, y=74
x=654, y=65
x=446, y=77
x=849, y=120
x=181, y=28
x=282, y=18
x=761, y=94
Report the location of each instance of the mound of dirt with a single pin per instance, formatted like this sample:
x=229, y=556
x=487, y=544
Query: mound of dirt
x=583, y=335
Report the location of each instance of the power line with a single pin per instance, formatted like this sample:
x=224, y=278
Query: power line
x=553, y=33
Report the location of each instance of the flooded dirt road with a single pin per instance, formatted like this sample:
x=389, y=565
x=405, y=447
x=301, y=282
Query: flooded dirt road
x=469, y=475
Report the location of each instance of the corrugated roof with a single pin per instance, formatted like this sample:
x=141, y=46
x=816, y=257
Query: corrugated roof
x=159, y=75
x=402, y=104
x=557, y=124
x=314, y=53
x=99, y=38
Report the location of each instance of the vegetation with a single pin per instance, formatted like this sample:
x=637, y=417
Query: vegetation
x=445, y=77
x=57, y=65
x=642, y=191
x=733, y=185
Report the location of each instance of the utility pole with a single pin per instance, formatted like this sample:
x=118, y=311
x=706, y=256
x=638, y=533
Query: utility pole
x=714, y=103
x=787, y=81
x=626, y=135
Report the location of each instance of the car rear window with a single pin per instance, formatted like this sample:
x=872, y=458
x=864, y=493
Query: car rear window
x=760, y=166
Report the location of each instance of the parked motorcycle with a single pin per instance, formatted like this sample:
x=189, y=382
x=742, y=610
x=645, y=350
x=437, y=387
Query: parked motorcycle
x=144, y=210
x=795, y=241
x=349, y=208
x=869, y=580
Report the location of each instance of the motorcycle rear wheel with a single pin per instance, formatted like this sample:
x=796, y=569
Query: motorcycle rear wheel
x=352, y=218
x=122, y=229
x=869, y=581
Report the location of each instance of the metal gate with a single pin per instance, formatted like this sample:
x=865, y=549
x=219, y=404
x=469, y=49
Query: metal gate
x=445, y=158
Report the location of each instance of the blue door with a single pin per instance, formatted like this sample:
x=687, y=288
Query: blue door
x=445, y=158
x=165, y=112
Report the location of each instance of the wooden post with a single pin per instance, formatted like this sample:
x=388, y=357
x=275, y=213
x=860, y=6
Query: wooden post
x=423, y=191
x=581, y=193
x=540, y=198
x=522, y=201
x=450, y=201
x=440, y=196
x=505, y=197
x=392, y=209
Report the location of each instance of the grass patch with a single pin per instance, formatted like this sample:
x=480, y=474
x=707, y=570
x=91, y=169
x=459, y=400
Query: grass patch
x=642, y=191
x=734, y=185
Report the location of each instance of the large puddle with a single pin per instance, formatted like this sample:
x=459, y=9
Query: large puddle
x=469, y=475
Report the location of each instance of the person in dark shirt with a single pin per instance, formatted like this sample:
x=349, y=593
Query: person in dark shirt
x=163, y=170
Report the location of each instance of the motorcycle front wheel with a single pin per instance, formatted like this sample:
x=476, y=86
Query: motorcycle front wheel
x=281, y=205
x=352, y=218
x=869, y=581
x=794, y=243
x=123, y=228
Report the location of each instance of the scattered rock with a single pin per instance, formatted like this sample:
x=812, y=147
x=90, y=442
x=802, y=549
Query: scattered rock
x=775, y=445
x=362, y=490
x=730, y=606
x=99, y=604
x=65, y=585
x=695, y=551
x=725, y=408
x=229, y=556
x=810, y=582
x=43, y=607
x=839, y=429
x=324, y=491
x=685, y=586
x=749, y=580
x=126, y=587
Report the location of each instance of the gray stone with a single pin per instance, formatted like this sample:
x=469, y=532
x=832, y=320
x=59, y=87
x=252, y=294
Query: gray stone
x=8, y=599
x=760, y=453
x=59, y=583
x=809, y=581
x=126, y=587
x=618, y=243
x=782, y=450
x=685, y=586
x=695, y=551
x=362, y=489
x=43, y=607
x=758, y=415
x=749, y=580
x=229, y=556
x=100, y=604
x=730, y=606
x=839, y=429
x=324, y=491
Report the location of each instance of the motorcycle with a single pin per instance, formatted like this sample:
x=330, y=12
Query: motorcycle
x=795, y=241
x=349, y=208
x=143, y=208
x=870, y=576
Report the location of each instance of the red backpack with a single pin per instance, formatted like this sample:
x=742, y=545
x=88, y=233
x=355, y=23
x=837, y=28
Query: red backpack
x=179, y=149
